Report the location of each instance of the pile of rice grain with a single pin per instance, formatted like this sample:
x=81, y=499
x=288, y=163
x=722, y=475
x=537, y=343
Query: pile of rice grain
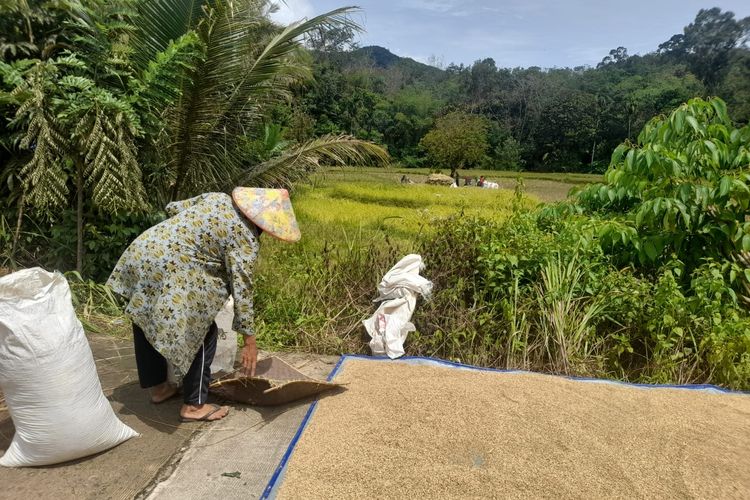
x=403, y=430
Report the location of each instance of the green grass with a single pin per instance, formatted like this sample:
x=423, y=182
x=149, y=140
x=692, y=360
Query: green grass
x=546, y=187
x=355, y=225
x=418, y=174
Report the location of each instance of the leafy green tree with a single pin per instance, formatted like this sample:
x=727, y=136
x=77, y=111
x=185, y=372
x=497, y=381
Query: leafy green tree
x=84, y=112
x=508, y=155
x=30, y=27
x=327, y=39
x=682, y=190
x=736, y=87
x=616, y=56
x=707, y=44
x=459, y=140
x=568, y=131
x=249, y=66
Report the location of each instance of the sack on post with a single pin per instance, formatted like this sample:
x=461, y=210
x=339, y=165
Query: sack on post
x=397, y=294
x=48, y=375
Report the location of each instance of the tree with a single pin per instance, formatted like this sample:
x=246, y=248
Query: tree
x=736, y=87
x=681, y=191
x=332, y=38
x=508, y=155
x=249, y=66
x=83, y=111
x=458, y=140
x=567, y=134
x=707, y=43
x=618, y=55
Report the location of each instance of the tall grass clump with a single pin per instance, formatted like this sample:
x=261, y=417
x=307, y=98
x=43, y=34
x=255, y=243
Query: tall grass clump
x=567, y=317
x=314, y=298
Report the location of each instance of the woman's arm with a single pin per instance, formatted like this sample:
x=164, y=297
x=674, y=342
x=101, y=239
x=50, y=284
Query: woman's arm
x=249, y=355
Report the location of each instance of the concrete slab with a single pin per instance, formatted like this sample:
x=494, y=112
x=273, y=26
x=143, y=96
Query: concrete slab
x=248, y=444
x=119, y=473
x=188, y=457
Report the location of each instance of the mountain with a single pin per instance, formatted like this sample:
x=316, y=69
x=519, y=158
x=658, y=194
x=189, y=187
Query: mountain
x=380, y=56
x=382, y=60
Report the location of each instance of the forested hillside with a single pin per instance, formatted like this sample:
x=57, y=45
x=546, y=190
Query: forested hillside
x=558, y=119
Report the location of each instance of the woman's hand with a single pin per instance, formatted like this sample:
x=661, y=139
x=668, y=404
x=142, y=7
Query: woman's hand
x=249, y=356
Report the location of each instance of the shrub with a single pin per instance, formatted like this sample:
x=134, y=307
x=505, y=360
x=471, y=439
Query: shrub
x=681, y=189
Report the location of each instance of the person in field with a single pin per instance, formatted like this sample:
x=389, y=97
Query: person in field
x=178, y=274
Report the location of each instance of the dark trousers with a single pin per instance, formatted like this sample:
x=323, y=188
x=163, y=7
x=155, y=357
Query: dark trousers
x=152, y=367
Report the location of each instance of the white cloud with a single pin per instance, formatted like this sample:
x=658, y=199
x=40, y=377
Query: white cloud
x=292, y=10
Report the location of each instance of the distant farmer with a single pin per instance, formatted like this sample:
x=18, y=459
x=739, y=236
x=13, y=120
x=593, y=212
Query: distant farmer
x=177, y=275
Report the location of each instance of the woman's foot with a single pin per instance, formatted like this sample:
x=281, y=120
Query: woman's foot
x=203, y=413
x=162, y=392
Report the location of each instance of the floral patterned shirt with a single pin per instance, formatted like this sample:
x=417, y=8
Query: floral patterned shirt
x=178, y=274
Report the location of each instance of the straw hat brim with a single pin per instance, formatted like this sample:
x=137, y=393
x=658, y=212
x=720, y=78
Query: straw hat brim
x=269, y=209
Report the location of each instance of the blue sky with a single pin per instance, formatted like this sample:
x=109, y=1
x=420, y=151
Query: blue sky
x=516, y=32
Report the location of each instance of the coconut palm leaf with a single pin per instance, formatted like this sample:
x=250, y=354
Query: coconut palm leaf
x=248, y=66
x=161, y=22
x=298, y=162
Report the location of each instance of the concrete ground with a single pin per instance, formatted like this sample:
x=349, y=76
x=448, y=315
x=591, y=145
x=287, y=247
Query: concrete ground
x=170, y=459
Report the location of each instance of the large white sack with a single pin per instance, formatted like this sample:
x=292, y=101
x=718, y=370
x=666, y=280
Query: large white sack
x=48, y=375
x=398, y=290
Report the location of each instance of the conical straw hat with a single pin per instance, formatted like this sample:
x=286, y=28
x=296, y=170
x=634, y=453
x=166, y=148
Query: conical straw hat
x=269, y=209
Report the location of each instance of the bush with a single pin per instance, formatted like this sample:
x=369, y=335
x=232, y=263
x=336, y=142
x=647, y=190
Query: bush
x=523, y=294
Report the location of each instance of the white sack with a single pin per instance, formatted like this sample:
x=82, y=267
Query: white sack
x=398, y=290
x=226, y=345
x=48, y=375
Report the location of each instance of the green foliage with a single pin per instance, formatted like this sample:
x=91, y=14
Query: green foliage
x=507, y=155
x=247, y=68
x=682, y=190
x=707, y=44
x=459, y=140
x=563, y=119
x=88, y=114
x=539, y=290
x=106, y=237
x=539, y=295
x=162, y=94
x=75, y=110
x=96, y=307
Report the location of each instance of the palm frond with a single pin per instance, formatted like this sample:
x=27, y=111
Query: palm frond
x=161, y=22
x=249, y=65
x=299, y=162
x=161, y=83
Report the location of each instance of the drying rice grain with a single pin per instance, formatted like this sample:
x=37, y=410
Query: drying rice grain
x=403, y=431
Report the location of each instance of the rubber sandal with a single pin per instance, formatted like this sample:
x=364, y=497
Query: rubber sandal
x=206, y=417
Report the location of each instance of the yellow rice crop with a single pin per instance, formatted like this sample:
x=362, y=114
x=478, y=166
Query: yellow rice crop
x=337, y=210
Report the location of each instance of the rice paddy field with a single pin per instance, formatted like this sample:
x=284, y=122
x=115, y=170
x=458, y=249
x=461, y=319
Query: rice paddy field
x=361, y=205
